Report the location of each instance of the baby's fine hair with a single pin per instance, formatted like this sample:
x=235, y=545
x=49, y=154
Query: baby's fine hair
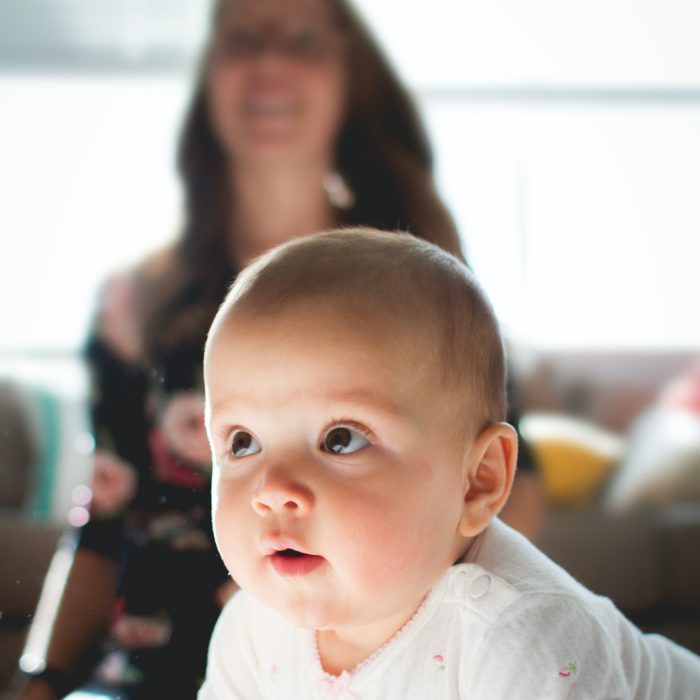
x=396, y=277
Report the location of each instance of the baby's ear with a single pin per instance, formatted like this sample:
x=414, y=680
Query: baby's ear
x=491, y=468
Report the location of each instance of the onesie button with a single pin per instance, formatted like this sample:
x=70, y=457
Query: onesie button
x=459, y=583
x=480, y=586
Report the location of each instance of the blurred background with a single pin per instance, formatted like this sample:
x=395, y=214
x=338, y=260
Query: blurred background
x=567, y=142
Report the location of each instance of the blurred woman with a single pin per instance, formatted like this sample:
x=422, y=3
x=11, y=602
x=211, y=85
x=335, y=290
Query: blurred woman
x=297, y=125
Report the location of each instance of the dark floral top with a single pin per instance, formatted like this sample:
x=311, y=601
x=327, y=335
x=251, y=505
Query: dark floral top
x=151, y=510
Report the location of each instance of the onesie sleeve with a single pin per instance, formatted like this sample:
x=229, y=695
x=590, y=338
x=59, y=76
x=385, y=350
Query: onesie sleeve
x=233, y=666
x=546, y=646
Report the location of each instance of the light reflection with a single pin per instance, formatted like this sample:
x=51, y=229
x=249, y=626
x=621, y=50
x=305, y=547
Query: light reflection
x=84, y=443
x=82, y=495
x=31, y=663
x=78, y=516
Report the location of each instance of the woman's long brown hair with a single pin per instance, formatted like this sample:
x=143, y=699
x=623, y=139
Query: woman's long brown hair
x=382, y=152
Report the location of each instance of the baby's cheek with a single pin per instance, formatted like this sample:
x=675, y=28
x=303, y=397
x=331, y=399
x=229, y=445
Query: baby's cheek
x=378, y=548
x=400, y=541
x=228, y=527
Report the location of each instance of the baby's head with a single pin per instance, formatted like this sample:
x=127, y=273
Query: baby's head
x=355, y=389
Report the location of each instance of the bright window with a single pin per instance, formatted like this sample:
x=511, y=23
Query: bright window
x=568, y=147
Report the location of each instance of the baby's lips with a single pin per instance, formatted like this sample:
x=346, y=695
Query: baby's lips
x=272, y=544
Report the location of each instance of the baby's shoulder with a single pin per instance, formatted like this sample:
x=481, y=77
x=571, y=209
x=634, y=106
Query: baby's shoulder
x=476, y=591
x=558, y=640
x=515, y=642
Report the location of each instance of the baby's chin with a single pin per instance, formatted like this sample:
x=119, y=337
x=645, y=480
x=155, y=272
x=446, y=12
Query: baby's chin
x=311, y=613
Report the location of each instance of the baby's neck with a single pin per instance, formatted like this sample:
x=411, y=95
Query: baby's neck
x=343, y=649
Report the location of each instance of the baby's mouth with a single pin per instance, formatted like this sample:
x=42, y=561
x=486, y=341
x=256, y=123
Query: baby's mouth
x=292, y=562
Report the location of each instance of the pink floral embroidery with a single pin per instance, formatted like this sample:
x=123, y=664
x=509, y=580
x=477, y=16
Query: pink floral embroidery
x=569, y=670
x=439, y=661
x=338, y=687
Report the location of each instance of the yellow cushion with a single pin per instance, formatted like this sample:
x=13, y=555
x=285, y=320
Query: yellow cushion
x=574, y=457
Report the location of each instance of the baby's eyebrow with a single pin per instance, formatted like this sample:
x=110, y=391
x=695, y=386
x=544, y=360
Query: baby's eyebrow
x=351, y=398
x=232, y=401
x=362, y=398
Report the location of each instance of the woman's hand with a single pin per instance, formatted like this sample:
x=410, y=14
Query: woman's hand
x=132, y=631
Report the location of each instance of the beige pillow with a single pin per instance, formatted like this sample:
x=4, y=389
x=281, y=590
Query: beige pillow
x=662, y=461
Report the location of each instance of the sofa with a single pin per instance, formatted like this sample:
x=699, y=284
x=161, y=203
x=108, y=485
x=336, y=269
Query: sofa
x=638, y=547
x=645, y=559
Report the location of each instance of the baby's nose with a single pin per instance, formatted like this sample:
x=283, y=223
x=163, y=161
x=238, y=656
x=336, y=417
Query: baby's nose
x=279, y=494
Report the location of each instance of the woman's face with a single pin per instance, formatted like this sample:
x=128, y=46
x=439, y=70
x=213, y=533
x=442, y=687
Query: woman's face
x=276, y=81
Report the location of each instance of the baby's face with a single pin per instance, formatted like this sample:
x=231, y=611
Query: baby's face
x=337, y=488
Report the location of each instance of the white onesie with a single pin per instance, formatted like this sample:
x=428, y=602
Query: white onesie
x=506, y=622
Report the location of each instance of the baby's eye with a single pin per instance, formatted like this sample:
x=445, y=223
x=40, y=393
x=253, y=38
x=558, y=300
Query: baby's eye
x=244, y=444
x=342, y=440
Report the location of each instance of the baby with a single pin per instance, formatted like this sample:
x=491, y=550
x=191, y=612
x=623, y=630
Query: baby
x=355, y=397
